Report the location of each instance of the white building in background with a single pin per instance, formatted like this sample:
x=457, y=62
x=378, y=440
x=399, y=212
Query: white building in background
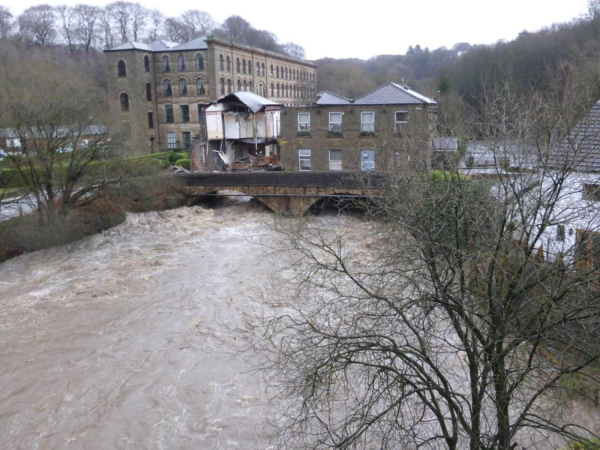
x=572, y=231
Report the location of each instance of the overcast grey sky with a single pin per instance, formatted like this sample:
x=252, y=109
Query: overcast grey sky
x=365, y=28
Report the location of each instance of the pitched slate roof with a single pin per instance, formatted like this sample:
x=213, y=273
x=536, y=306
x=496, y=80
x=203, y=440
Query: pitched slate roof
x=393, y=94
x=329, y=98
x=581, y=148
x=195, y=44
x=132, y=46
x=253, y=101
x=156, y=46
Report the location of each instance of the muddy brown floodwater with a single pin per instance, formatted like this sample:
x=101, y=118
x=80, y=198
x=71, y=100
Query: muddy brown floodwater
x=124, y=340
x=127, y=340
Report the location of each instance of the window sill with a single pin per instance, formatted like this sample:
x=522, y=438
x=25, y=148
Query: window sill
x=367, y=134
x=304, y=133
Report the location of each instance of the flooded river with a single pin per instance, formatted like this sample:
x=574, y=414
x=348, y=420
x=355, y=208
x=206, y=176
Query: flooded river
x=126, y=340
x=130, y=339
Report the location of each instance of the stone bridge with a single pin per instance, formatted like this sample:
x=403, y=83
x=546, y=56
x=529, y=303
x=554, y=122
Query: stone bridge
x=289, y=193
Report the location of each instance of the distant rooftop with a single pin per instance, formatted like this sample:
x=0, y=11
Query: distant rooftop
x=581, y=148
x=155, y=46
x=388, y=94
x=199, y=43
x=329, y=98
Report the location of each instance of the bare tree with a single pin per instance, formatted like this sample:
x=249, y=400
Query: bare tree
x=86, y=28
x=67, y=18
x=236, y=28
x=156, y=22
x=294, y=50
x=436, y=324
x=6, y=22
x=190, y=25
x=120, y=15
x=37, y=25
x=139, y=18
x=199, y=23
x=107, y=29
x=58, y=123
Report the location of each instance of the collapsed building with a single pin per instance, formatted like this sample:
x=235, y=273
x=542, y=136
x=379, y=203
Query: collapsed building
x=241, y=132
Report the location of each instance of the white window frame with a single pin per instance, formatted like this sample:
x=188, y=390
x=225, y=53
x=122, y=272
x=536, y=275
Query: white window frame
x=335, y=168
x=399, y=123
x=171, y=140
x=362, y=122
x=305, y=124
x=336, y=123
x=304, y=154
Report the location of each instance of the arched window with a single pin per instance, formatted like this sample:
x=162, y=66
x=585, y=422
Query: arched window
x=245, y=86
x=146, y=63
x=249, y=67
x=278, y=91
x=165, y=63
x=272, y=90
x=167, y=91
x=181, y=63
x=222, y=84
x=250, y=86
x=271, y=69
x=244, y=66
x=199, y=62
x=261, y=89
x=221, y=62
x=148, y=92
x=263, y=69
x=200, y=90
x=257, y=69
x=229, y=85
x=122, y=68
x=287, y=73
x=277, y=71
x=228, y=64
x=239, y=85
x=237, y=65
x=124, y=98
x=183, y=86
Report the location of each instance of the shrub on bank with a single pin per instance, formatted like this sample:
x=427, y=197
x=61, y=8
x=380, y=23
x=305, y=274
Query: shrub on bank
x=90, y=216
x=24, y=234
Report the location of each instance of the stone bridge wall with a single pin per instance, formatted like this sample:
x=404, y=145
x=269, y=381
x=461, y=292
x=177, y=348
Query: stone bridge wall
x=284, y=193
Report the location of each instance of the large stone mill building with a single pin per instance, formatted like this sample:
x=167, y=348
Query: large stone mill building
x=158, y=91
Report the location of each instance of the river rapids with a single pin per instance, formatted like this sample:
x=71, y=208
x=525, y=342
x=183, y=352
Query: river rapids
x=127, y=339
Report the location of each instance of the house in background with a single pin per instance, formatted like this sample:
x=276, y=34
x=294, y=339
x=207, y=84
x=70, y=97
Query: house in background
x=242, y=131
x=572, y=232
x=380, y=130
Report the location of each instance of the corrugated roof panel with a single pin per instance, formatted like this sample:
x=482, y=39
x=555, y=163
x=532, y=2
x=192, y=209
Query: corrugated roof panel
x=251, y=100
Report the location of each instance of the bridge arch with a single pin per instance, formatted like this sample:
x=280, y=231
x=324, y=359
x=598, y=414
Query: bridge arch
x=211, y=198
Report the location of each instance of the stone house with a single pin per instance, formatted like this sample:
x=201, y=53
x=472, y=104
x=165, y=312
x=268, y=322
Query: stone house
x=157, y=92
x=381, y=130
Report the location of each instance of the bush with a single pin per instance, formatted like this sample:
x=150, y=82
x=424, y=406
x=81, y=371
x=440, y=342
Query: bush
x=10, y=178
x=24, y=234
x=175, y=156
x=184, y=162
